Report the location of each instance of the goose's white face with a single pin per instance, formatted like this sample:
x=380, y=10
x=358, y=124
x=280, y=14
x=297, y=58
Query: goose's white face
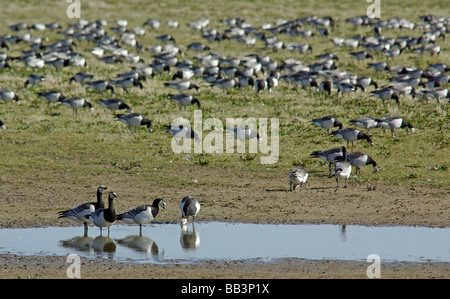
x=183, y=220
x=101, y=189
x=375, y=169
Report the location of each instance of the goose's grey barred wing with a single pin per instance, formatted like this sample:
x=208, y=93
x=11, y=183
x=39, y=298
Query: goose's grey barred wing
x=78, y=211
x=133, y=212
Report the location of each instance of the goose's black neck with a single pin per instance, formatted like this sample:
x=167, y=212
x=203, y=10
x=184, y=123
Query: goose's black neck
x=100, y=203
x=110, y=212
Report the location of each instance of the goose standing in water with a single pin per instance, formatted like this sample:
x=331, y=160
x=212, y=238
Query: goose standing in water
x=190, y=206
x=142, y=214
x=105, y=217
x=80, y=212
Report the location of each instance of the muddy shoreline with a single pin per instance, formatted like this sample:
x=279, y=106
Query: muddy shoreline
x=262, y=201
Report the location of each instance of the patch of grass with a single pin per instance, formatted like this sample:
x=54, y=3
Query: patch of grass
x=38, y=134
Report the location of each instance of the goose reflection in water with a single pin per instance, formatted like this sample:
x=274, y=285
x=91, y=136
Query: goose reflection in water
x=343, y=233
x=189, y=240
x=84, y=243
x=80, y=243
x=142, y=244
x=104, y=244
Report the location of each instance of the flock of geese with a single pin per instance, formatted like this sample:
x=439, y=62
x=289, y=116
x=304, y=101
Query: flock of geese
x=338, y=156
x=214, y=70
x=102, y=216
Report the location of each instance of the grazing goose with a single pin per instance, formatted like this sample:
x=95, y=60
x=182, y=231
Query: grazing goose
x=330, y=155
x=142, y=214
x=272, y=82
x=423, y=94
x=181, y=85
x=198, y=47
x=243, y=132
x=2, y=125
x=115, y=104
x=361, y=55
x=393, y=123
x=438, y=93
x=226, y=83
x=246, y=81
x=305, y=81
x=100, y=85
x=34, y=62
x=138, y=73
x=75, y=103
x=352, y=134
x=326, y=86
x=51, y=96
x=343, y=87
x=80, y=212
x=379, y=66
x=172, y=24
x=153, y=23
x=363, y=82
x=366, y=122
x=165, y=38
x=105, y=217
x=359, y=159
x=228, y=71
x=127, y=83
x=58, y=63
x=111, y=59
x=183, y=131
x=400, y=88
x=260, y=84
x=4, y=64
x=183, y=74
x=135, y=120
x=34, y=79
x=184, y=99
x=81, y=77
x=297, y=176
x=8, y=95
x=386, y=94
x=327, y=122
x=342, y=169
x=190, y=206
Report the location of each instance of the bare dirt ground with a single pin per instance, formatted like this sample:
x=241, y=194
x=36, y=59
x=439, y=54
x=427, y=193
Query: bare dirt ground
x=226, y=195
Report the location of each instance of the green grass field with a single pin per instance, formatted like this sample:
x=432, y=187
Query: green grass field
x=41, y=141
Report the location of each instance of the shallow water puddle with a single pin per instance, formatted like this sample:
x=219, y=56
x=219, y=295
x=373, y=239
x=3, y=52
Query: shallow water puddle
x=163, y=243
